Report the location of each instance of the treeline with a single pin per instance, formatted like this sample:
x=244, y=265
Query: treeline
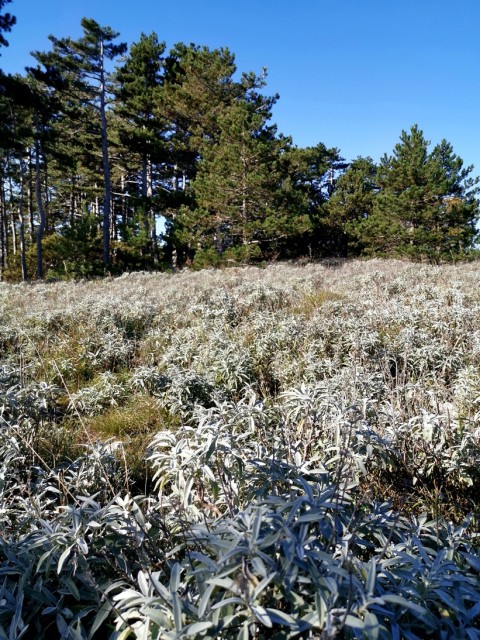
x=116, y=159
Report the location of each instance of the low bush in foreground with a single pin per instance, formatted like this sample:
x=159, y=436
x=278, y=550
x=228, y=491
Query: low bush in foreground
x=281, y=453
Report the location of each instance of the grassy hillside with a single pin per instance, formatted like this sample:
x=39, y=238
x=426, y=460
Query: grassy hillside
x=291, y=452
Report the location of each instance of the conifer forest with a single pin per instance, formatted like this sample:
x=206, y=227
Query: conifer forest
x=116, y=158
x=287, y=448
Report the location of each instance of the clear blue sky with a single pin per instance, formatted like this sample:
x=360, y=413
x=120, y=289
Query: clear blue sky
x=350, y=73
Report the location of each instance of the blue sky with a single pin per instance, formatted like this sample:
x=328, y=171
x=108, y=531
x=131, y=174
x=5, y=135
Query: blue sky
x=351, y=74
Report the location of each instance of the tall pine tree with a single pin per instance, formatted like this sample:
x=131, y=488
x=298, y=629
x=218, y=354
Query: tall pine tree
x=142, y=130
x=426, y=204
x=351, y=205
x=6, y=22
x=83, y=65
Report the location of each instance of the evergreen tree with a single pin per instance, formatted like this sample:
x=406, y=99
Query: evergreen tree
x=142, y=132
x=453, y=229
x=233, y=189
x=82, y=64
x=45, y=107
x=310, y=177
x=6, y=22
x=15, y=144
x=197, y=100
x=198, y=85
x=426, y=203
x=351, y=204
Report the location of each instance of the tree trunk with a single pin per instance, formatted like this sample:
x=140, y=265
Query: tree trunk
x=149, y=222
x=72, y=201
x=21, y=223
x=244, y=201
x=46, y=201
x=174, y=248
x=41, y=209
x=106, y=165
x=3, y=227
x=11, y=216
x=30, y=197
x=123, y=190
x=96, y=205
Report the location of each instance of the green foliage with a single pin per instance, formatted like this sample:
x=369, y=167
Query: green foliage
x=233, y=184
x=309, y=177
x=351, y=205
x=425, y=206
x=7, y=21
x=142, y=131
x=286, y=452
x=84, y=83
x=188, y=147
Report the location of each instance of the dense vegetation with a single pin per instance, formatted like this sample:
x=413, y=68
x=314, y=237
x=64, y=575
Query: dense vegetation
x=115, y=159
x=286, y=452
x=291, y=452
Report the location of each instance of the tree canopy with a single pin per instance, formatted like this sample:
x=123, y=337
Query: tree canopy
x=7, y=21
x=416, y=203
x=115, y=158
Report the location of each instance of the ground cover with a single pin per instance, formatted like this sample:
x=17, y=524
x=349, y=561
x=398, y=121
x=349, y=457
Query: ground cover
x=288, y=452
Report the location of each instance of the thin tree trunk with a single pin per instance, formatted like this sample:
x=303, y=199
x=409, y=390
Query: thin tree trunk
x=41, y=209
x=11, y=216
x=113, y=227
x=174, y=248
x=106, y=165
x=3, y=227
x=124, y=206
x=244, y=201
x=21, y=222
x=96, y=205
x=151, y=218
x=146, y=195
x=14, y=235
x=146, y=192
x=72, y=201
x=46, y=202
x=30, y=197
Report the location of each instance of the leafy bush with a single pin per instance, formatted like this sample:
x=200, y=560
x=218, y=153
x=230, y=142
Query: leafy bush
x=302, y=441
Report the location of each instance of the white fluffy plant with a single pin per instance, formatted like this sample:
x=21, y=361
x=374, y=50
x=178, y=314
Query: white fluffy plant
x=301, y=391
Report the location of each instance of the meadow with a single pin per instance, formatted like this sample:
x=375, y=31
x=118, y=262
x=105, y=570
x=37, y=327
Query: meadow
x=286, y=452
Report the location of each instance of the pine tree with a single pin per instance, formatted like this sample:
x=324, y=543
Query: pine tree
x=233, y=188
x=198, y=85
x=7, y=21
x=142, y=133
x=82, y=64
x=453, y=229
x=426, y=205
x=198, y=91
x=310, y=177
x=45, y=106
x=351, y=204
x=15, y=142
